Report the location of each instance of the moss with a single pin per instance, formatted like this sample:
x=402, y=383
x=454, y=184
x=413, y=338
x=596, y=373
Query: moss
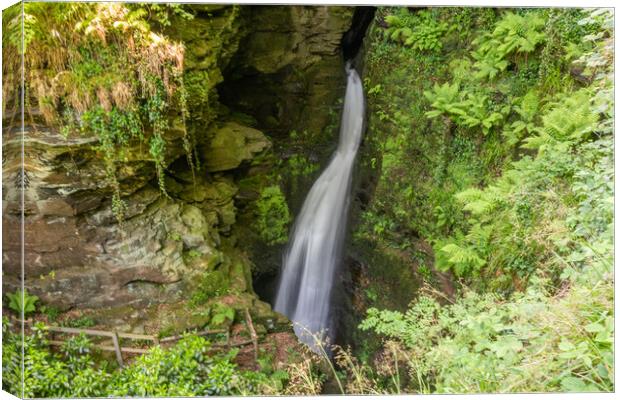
x=86, y=70
x=232, y=144
x=211, y=284
x=272, y=216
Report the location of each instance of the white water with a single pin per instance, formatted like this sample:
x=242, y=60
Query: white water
x=315, y=247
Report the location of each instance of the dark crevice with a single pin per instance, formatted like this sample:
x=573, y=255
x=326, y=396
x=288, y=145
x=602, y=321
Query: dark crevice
x=353, y=38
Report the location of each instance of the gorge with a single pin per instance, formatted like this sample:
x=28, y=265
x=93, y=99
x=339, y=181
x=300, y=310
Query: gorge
x=428, y=191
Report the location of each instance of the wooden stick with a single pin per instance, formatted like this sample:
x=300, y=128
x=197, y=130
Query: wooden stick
x=104, y=347
x=91, y=332
x=117, y=349
x=240, y=344
x=135, y=336
x=202, y=333
x=248, y=320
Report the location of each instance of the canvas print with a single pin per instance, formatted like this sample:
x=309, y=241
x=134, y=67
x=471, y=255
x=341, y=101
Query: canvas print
x=223, y=199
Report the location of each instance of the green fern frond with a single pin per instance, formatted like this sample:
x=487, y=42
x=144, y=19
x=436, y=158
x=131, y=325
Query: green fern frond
x=463, y=259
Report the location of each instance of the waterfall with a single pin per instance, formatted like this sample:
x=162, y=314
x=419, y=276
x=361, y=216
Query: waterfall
x=315, y=247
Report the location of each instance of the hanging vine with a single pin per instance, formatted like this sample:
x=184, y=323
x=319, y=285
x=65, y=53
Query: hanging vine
x=99, y=69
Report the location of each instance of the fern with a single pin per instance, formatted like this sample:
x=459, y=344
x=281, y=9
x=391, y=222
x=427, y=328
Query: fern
x=527, y=108
x=514, y=34
x=443, y=99
x=519, y=33
x=469, y=109
x=571, y=121
x=419, y=30
x=463, y=259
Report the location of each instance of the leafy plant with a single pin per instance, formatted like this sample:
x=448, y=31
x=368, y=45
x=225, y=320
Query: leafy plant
x=220, y=313
x=99, y=70
x=300, y=165
x=51, y=312
x=463, y=259
x=468, y=109
x=416, y=30
x=513, y=34
x=84, y=321
x=187, y=369
x=570, y=122
x=22, y=302
x=482, y=344
x=272, y=215
x=527, y=110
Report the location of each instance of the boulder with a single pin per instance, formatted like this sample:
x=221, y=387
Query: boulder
x=231, y=145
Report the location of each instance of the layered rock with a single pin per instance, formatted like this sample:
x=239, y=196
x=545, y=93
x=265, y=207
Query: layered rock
x=77, y=255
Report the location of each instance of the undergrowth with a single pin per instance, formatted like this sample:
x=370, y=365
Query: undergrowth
x=507, y=171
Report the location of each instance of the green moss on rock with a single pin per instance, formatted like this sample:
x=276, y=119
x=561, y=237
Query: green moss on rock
x=231, y=145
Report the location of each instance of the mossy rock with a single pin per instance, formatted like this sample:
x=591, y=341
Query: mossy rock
x=231, y=145
x=183, y=318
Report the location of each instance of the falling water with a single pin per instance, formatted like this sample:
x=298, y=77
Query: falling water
x=315, y=248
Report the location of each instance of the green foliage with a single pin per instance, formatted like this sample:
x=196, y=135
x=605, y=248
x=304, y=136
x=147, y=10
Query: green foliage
x=161, y=14
x=51, y=312
x=183, y=370
x=272, y=215
x=477, y=127
x=533, y=342
x=417, y=30
x=534, y=241
x=513, y=34
x=570, y=122
x=22, y=302
x=468, y=109
x=193, y=253
x=464, y=259
x=527, y=108
x=188, y=369
x=299, y=165
x=507, y=218
x=83, y=321
x=221, y=313
x=100, y=70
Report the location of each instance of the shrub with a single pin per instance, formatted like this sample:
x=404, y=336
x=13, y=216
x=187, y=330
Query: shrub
x=186, y=369
x=22, y=302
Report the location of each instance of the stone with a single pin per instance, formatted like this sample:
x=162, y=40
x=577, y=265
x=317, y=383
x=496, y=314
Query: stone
x=233, y=144
x=55, y=207
x=79, y=256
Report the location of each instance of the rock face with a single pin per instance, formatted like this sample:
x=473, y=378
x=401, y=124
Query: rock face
x=285, y=60
x=289, y=70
